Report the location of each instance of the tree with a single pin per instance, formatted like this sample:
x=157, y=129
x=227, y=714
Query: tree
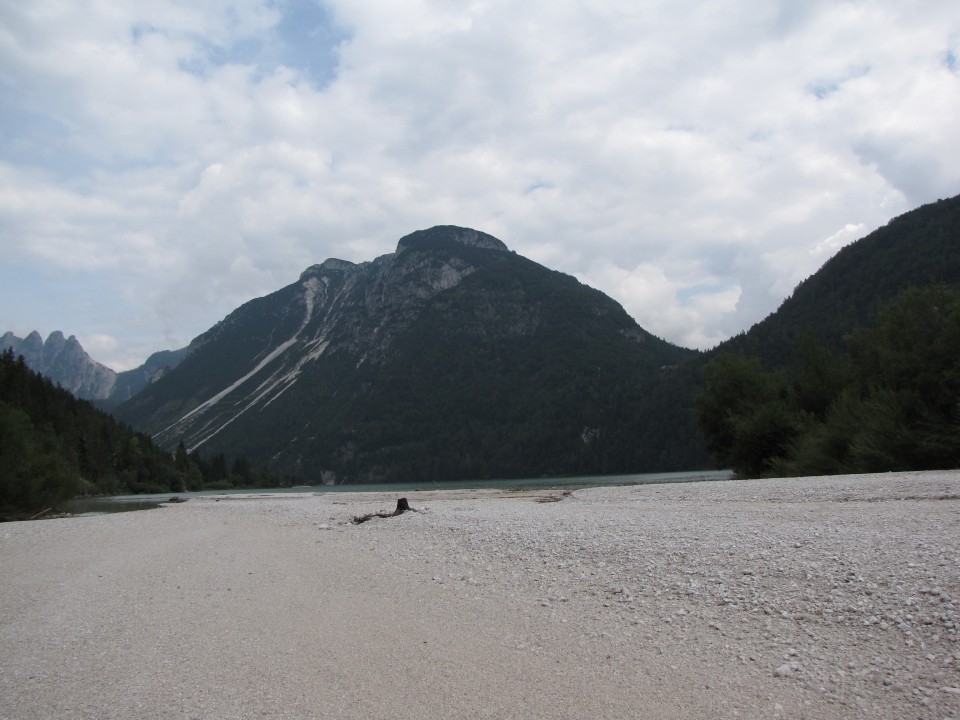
x=908, y=369
x=54, y=446
x=240, y=472
x=744, y=414
x=892, y=404
x=35, y=476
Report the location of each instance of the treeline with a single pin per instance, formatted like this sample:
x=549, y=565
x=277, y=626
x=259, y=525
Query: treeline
x=54, y=447
x=219, y=473
x=890, y=401
x=916, y=249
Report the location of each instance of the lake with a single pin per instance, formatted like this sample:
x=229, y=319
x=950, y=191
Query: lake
x=124, y=503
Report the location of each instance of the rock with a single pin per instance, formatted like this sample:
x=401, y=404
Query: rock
x=787, y=669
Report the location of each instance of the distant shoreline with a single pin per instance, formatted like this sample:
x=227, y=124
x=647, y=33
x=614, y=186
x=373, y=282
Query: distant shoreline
x=500, y=484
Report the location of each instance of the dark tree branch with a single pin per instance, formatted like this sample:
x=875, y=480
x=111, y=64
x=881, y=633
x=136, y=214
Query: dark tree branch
x=402, y=507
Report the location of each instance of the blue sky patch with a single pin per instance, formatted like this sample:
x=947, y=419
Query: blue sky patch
x=309, y=40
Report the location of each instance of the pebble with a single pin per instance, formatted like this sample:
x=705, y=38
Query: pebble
x=822, y=577
x=786, y=669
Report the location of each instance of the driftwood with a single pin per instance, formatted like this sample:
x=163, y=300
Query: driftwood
x=553, y=498
x=402, y=507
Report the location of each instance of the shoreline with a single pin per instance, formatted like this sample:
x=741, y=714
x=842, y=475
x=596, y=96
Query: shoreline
x=822, y=597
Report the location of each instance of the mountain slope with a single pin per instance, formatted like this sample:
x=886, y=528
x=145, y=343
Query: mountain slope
x=130, y=382
x=450, y=358
x=876, y=392
x=914, y=249
x=54, y=445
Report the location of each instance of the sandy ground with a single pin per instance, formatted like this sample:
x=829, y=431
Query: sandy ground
x=803, y=598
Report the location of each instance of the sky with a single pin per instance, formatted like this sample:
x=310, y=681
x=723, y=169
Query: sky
x=164, y=161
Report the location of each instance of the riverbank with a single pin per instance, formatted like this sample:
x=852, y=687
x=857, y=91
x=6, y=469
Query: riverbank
x=812, y=597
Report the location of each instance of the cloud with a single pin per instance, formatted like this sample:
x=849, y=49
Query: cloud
x=669, y=308
x=693, y=160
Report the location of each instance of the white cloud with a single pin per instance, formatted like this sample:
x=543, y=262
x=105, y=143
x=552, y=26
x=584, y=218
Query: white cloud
x=693, y=160
x=668, y=308
x=99, y=345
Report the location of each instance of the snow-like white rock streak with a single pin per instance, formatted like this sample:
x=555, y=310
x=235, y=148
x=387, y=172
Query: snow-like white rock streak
x=311, y=287
x=265, y=389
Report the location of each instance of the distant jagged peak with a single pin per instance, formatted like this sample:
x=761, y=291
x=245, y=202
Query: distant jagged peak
x=467, y=237
x=30, y=346
x=63, y=360
x=56, y=342
x=56, y=339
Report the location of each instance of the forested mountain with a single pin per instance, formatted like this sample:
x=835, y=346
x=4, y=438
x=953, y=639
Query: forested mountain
x=54, y=446
x=858, y=371
x=450, y=358
x=889, y=402
x=918, y=248
x=456, y=358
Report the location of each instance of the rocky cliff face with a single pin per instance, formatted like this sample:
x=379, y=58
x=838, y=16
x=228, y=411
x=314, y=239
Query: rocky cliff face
x=440, y=360
x=64, y=361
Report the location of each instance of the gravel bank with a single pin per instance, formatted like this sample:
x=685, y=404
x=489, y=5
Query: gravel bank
x=804, y=598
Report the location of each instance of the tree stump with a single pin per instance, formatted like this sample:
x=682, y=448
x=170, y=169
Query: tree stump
x=402, y=507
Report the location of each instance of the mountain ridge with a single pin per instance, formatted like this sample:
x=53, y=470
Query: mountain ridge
x=450, y=321
x=919, y=247
x=374, y=349
x=65, y=362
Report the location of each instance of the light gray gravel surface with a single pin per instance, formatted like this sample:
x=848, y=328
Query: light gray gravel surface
x=803, y=598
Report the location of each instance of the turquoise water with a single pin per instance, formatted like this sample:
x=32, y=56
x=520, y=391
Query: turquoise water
x=101, y=505
x=139, y=502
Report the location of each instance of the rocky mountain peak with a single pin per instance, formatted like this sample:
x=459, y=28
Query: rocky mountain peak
x=410, y=365
x=32, y=347
x=63, y=360
x=440, y=237
x=450, y=234
x=328, y=266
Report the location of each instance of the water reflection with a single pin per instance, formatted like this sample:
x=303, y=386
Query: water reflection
x=124, y=503
x=99, y=506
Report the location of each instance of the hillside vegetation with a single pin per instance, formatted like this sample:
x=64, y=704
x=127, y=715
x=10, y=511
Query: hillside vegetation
x=857, y=370
x=890, y=402
x=457, y=359
x=916, y=249
x=54, y=446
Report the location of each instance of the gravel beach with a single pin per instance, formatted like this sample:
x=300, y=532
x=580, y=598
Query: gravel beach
x=826, y=597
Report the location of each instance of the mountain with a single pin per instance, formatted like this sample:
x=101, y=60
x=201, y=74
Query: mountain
x=450, y=358
x=65, y=362
x=858, y=370
x=918, y=248
x=131, y=382
x=54, y=446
